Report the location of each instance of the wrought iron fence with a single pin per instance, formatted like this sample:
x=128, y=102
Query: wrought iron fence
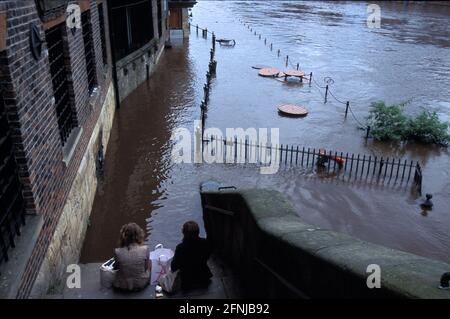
x=379, y=169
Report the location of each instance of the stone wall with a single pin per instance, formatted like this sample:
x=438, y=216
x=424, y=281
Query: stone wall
x=137, y=67
x=276, y=255
x=67, y=241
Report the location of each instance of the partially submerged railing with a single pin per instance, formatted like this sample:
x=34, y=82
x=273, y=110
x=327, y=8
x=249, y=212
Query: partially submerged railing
x=327, y=163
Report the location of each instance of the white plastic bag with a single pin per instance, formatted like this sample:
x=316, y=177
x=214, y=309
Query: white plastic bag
x=107, y=273
x=170, y=281
x=161, y=258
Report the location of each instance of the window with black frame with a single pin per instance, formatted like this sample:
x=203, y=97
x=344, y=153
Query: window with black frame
x=89, y=52
x=65, y=112
x=132, y=26
x=12, y=204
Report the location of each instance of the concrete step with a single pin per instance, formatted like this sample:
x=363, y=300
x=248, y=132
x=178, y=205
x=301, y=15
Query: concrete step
x=223, y=286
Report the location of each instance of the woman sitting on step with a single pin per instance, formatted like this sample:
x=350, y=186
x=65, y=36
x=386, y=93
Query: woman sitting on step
x=132, y=259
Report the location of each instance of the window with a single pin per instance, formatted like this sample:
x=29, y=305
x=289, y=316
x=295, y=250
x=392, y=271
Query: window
x=49, y=7
x=132, y=27
x=89, y=52
x=12, y=207
x=101, y=18
x=67, y=120
x=160, y=22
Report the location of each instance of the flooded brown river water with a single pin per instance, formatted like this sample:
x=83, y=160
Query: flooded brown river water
x=407, y=58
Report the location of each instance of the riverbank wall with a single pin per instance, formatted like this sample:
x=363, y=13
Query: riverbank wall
x=276, y=255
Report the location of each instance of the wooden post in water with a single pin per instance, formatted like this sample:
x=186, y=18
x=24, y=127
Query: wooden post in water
x=346, y=108
x=326, y=94
x=310, y=78
x=214, y=41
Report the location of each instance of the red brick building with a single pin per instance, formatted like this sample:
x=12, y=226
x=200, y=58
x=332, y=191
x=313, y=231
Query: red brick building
x=58, y=89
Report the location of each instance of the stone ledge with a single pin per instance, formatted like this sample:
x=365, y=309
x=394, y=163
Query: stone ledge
x=321, y=262
x=12, y=271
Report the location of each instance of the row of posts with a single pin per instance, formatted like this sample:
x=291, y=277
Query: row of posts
x=212, y=67
x=204, y=31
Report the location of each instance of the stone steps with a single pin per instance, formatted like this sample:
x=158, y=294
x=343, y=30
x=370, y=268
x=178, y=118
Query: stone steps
x=223, y=286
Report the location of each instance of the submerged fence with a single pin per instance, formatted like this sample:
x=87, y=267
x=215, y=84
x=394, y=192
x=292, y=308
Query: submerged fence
x=327, y=163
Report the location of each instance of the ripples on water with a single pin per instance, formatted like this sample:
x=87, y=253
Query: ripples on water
x=407, y=58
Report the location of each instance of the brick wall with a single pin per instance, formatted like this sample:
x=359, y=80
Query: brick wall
x=46, y=178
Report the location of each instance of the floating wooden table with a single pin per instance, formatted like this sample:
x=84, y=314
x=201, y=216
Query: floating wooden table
x=295, y=73
x=269, y=72
x=292, y=110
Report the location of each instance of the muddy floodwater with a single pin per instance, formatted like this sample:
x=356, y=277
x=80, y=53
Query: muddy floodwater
x=408, y=58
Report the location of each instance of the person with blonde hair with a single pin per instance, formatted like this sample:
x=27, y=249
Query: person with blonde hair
x=132, y=259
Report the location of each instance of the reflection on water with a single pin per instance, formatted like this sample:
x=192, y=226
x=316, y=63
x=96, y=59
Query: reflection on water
x=406, y=59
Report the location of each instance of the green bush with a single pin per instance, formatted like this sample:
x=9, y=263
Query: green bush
x=427, y=128
x=388, y=122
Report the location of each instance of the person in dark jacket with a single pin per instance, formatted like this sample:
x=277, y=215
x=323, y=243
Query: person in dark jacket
x=191, y=258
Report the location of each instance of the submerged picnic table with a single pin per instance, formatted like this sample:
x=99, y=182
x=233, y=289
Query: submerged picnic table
x=293, y=73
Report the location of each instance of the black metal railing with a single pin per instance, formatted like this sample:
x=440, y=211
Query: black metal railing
x=327, y=163
x=67, y=120
x=12, y=208
x=89, y=52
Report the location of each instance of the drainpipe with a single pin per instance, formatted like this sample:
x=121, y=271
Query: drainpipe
x=113, y=57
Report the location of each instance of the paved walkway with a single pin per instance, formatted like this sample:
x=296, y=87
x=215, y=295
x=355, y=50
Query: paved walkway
x=223, y=286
